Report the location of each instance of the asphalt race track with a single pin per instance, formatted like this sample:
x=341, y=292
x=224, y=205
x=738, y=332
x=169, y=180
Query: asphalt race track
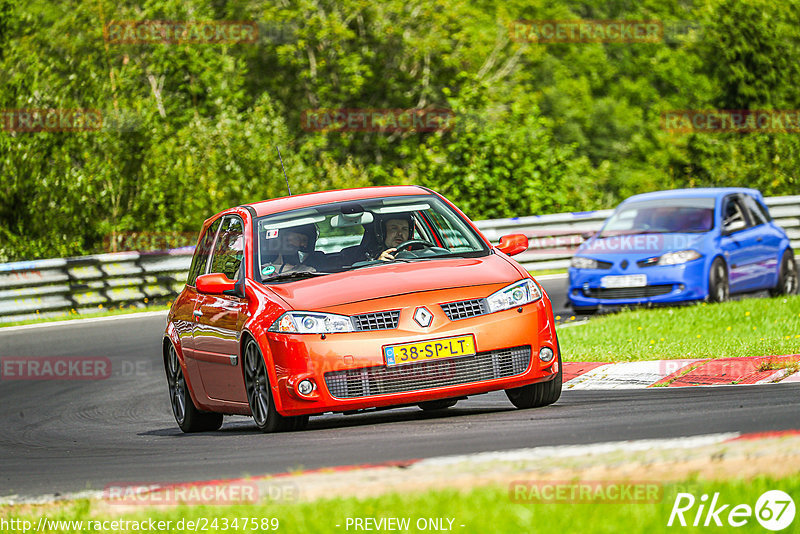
x=66, y=436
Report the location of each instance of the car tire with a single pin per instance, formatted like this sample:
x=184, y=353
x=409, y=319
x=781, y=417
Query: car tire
x=259, y=395
x=540, y=394
x=441, y=404
x=718, y=285
x=188, y=417
x=787, y=276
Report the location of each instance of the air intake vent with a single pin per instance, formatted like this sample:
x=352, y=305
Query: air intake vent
x=628, y=292
x=383, y=380
x=465, y=309
x=385, y=320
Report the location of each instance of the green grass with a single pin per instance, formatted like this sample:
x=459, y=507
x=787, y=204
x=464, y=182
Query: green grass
x=72, y=315
x=481, y=510
x=547, y=271
x=749, y=327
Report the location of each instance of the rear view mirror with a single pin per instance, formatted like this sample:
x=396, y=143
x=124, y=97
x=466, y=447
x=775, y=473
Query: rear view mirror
x=734, y=226
x=513, y=244
x=345, y=220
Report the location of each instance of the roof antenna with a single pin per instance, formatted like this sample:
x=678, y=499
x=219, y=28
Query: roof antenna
x=284, y=171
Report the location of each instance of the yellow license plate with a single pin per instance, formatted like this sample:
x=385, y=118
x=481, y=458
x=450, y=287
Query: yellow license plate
x=422, y=351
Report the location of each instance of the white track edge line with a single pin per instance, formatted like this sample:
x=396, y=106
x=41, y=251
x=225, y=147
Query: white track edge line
x=80, y=322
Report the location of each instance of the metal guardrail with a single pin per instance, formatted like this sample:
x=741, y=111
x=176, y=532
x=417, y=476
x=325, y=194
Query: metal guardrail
x=43, y=288
x=32, y=289
x=554, y=238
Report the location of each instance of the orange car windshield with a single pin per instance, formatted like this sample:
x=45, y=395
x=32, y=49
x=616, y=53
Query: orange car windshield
x=352, y=235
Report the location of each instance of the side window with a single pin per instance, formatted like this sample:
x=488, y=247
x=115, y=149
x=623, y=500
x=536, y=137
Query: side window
x=229, y=248
x=764, y=211
x=756, y=210
x=732, y=214
x=202, y=252
x=450, y=230
x=421, y=230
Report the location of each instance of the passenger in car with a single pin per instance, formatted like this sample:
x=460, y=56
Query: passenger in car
x=282, y=250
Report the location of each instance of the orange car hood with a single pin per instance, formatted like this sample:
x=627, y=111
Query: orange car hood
x=395, y=279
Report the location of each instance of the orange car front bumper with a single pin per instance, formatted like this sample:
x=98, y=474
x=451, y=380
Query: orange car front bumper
x=350, y=372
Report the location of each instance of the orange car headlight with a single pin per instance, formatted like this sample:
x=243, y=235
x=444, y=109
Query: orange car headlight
x=517, y=294
x=301, y=322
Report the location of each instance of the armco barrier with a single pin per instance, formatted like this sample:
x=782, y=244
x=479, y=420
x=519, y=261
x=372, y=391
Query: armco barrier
x=31, y=289
x=554, y=238
x=39, y=288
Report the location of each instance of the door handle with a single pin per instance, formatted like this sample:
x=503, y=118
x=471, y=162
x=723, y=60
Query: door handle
x=197, y=313
x=760, y=239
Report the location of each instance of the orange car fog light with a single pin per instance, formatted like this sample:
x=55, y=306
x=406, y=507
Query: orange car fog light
x=306, y=386
x=546, y=354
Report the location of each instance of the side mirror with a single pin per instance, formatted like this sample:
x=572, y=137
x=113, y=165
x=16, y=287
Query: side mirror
x=734, y=226
x=588, y=235
x=513, y=244
x=219, y=284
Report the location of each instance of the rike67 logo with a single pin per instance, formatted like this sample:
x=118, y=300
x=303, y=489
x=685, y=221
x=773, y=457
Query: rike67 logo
x=774, y=510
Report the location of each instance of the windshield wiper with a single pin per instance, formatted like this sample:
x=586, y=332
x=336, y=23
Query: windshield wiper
x=435, y=257
x=294, y=276
x=372, y=263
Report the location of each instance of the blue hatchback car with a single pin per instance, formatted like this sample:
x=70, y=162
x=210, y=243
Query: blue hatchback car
x=682, y=245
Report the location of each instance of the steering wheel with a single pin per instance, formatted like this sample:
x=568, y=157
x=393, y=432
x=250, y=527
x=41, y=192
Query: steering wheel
x=413, y=244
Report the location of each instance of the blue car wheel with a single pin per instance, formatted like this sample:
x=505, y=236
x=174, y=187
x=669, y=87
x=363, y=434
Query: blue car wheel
x=718, y=287
x=787, y=276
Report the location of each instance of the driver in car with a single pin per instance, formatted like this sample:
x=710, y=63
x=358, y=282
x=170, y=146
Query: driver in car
x=396, y=230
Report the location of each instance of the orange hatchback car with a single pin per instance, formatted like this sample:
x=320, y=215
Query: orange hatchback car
x=343, y=301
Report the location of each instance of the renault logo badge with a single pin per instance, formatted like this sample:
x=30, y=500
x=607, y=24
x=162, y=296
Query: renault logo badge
x=423, y=317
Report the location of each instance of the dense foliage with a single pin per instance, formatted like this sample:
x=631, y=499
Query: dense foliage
x=190, y=129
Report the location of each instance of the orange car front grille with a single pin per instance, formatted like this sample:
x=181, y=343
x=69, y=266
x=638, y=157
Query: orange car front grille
x=385, y=320
x=370, y=381
x=464, y=309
